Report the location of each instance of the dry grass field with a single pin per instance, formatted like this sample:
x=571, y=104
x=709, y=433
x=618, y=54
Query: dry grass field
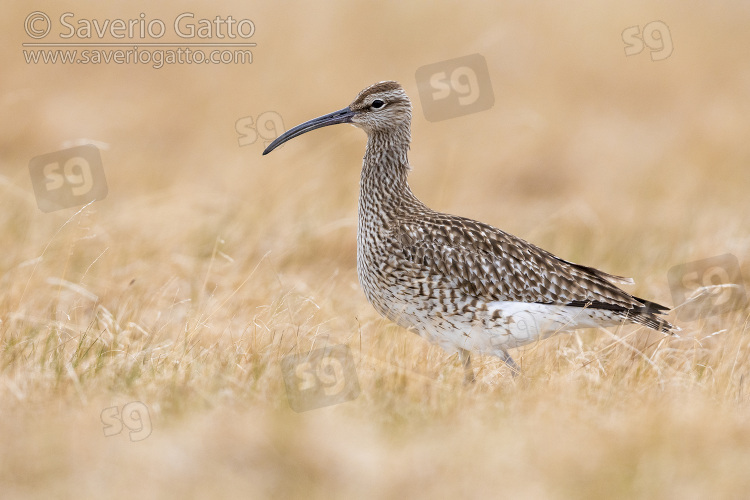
x=142, y=335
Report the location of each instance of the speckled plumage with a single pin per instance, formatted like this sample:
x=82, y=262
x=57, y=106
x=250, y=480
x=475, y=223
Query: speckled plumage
x=462, y=284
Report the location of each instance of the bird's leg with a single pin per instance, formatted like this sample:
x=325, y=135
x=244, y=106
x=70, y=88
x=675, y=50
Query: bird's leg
x=465, y=357
x=514, y=369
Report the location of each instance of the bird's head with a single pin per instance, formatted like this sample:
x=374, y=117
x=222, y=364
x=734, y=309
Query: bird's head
x=380, y=108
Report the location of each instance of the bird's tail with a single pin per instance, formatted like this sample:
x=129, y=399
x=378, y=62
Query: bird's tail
x=648, y=315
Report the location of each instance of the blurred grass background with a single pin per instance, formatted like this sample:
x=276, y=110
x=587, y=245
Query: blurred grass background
x=207, y=262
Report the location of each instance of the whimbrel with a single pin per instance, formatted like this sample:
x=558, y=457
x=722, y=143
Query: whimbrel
x=459, y=283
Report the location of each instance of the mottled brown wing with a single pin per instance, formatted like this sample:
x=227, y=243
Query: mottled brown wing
x=490, y=264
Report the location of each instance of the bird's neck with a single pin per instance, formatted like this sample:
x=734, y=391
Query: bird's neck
x=385, y=167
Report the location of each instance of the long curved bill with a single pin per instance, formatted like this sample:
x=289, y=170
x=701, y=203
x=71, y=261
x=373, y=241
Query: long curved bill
x=340, y=116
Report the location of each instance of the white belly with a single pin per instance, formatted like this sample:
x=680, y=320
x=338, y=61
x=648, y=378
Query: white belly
x=501, y=326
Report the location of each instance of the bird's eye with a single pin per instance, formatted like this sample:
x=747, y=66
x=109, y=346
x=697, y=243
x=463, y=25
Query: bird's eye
x=377, y=104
